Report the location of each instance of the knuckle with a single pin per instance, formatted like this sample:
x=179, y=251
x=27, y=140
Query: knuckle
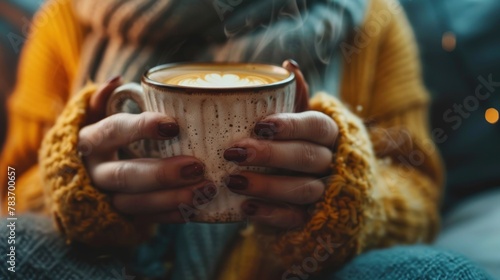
x=290, y=126
x=83, y=134
x=162, y=176
x=119, y=177
x=141, y=126
x=89, y=137
x=253, y=152
x=102, y=132
x=84, y=147
x=335, y=129
x=266, y=152
x=324, y=127
x=310, y=192
x=307, y=193
x=307, y=155
x=108, y=127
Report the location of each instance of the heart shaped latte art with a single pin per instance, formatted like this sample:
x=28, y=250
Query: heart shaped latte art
x=220, y=80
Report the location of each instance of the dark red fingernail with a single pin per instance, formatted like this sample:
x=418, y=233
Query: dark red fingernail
x=249, y=208
x=206, y=193
x=237, y=182
x=168, y=129
x=294, y=63
x=236, y=154
x=265, y=130
x=192, y=171
x=114, y=79
x=210, y=190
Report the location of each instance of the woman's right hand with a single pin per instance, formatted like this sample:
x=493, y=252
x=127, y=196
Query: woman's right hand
x=164, y=190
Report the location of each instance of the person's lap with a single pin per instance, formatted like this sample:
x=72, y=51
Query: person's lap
x=41, y=253
x=409, y=262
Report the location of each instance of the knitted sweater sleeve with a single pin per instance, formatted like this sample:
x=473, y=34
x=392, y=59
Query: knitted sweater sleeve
x=81, y=212
x=47, y=64
x=370, y=201
x=386, y=181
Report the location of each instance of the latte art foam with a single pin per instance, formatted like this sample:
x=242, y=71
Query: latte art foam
x=220, y=80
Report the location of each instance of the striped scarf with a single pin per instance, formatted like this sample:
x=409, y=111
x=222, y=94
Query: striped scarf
x=129, y=37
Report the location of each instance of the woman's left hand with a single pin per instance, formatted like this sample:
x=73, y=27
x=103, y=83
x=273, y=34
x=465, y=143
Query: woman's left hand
x=298, y=142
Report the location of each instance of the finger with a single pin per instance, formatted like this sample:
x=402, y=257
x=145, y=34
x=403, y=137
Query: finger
x=97, y=104
x=311, y=126
x=296, y=190
x=292, y=155
x=145, y=175
x=280, y=216
x=165, y=200
x=119, y=130
x=302, y=89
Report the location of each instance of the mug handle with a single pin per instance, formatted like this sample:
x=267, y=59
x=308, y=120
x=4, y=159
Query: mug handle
x=134, y=92
x=130, y=91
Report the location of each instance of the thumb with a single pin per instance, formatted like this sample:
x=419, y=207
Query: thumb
x=98, y=101
x=302, y=88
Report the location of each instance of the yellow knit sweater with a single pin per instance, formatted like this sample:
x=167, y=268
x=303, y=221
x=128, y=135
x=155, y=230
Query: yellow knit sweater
x=386, y=179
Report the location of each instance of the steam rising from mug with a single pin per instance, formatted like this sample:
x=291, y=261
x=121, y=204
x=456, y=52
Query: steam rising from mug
x=310, y=32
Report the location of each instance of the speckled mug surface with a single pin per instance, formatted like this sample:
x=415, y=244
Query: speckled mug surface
x=215, y=105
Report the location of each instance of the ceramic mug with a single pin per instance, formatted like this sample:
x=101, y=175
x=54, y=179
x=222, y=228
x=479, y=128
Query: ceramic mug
x=215, y=105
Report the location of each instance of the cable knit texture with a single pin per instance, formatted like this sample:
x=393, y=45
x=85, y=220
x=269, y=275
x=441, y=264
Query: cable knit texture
x=366, y=204
x=340, y=216
x=81, y=212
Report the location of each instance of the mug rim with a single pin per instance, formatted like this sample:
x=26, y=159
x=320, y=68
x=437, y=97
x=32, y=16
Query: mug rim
x=158, y=85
